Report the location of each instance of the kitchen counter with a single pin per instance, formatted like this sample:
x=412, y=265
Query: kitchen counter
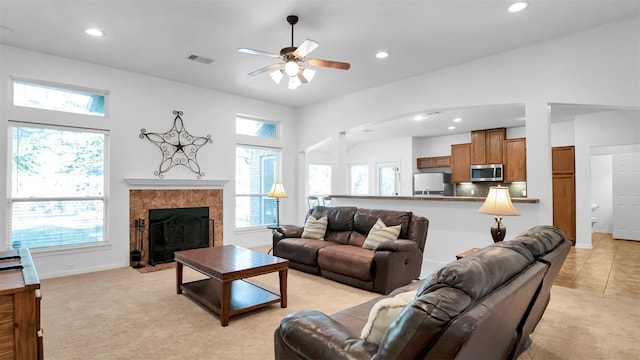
x=455, y=225
x=433, y=198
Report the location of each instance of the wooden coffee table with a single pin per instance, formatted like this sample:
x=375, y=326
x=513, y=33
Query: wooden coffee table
x=225, y=292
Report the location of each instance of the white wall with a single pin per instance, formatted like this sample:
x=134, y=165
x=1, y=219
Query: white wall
x=135, y=102
x=438, y=145
x=392, y=150
x=595, y=130
x=598, y=66
x=562, y=134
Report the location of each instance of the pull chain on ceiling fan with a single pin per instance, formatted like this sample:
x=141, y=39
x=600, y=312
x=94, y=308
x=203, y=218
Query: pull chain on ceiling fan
x=292, y=57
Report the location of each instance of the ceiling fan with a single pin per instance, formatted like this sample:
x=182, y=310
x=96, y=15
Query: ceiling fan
x=292, y=59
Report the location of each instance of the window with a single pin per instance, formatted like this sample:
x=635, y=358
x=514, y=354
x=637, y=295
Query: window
x=57, y=186
x=388, y=178
x=253, y=127
x=359, y=179
x=256, y=169
x=59, y=98
x=319, y=179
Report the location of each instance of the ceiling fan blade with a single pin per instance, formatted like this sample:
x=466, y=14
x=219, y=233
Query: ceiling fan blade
x=305, y=48
x=264, y=69
x=258, y=52
x=329, y=64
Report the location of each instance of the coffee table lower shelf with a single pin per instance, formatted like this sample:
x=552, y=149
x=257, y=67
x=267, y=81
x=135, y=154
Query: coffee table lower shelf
x=245, y=296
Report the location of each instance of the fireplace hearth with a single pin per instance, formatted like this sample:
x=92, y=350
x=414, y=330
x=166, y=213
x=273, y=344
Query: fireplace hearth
x=177, y=229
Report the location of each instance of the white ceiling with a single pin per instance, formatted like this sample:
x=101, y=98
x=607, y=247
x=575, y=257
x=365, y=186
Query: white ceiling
x=156, y=37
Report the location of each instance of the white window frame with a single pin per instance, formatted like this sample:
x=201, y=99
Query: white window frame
x=105, y=194
x=254, y=118
x=388, y=164
x=63, y=87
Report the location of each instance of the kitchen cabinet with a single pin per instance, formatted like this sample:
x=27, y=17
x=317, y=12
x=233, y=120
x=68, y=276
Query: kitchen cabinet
x=487, y=146
x=460, y=163
x=431, y=162
x=563, y=160
x=564, y=190
x=564, y=204
x=515, y=160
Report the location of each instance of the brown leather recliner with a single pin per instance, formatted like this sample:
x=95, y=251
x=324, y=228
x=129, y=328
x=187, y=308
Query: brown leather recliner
x=341, y=257
x=483, y=306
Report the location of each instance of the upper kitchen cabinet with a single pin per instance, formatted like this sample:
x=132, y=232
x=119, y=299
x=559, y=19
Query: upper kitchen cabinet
x=562, y=160
x=433, y=162
x=487, y=146
x=515, y=160
x=460, y=163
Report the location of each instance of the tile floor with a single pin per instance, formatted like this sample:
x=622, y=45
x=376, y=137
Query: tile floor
x=611, y=267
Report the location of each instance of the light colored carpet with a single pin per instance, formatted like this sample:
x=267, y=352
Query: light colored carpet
x=124, y=314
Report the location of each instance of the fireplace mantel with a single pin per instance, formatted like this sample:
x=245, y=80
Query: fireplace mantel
x=176, y=182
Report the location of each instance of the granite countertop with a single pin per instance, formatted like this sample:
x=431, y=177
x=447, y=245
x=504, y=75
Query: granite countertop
x=434, y=198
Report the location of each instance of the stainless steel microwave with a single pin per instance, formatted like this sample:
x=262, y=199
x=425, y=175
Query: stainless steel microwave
x=491, y=172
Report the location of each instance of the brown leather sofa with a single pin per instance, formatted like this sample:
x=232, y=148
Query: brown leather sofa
x=483, y=306
x=341, y=257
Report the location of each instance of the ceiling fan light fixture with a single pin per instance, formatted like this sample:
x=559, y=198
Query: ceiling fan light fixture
x=277, y=76
x=308, y=74
x=294, y=82
x=291, y=68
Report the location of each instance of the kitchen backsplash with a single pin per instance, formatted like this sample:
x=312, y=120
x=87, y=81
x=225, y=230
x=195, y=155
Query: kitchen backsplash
x=516, y=190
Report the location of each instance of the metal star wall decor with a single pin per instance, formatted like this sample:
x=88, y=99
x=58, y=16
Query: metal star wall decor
x=178, y=147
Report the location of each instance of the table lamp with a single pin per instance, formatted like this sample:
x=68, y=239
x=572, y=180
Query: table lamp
x=498, y=204
x=277, y=192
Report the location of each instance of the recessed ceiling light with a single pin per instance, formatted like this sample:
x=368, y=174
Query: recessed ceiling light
x=382, y=55
x=519, y=6
x=93, y=32
x=451, y=127
x=457, y=120
x=419, y=117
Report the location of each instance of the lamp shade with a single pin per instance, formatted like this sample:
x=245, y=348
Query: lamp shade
x=277, y=191
x=498, y=203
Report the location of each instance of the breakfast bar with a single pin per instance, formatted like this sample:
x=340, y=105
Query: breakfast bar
x=454, y=223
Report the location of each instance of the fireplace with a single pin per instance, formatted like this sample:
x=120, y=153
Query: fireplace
x=177, y=229
x=141, y=201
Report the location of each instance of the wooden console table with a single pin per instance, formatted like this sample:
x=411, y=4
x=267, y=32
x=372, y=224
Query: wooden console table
x=20, y=332
x=225, y=292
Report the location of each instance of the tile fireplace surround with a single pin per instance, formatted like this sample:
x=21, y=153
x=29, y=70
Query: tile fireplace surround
x=140, y=201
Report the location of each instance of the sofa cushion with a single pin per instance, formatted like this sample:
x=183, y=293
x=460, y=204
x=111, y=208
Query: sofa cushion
x=380, y=233
x=383, y=313
x=304, y=251
x=541, y=239
x=347, y=260
x=340, y=218
x=315, y=228
x=364, y=219
x=481, y=273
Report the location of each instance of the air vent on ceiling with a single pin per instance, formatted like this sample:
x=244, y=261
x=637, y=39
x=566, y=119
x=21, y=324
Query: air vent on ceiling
x=200, y=59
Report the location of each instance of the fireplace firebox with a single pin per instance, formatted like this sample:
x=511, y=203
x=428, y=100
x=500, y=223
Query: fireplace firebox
x=177, y=229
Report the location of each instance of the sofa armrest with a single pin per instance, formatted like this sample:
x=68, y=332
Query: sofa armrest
x=396, y=263
x=398, y=245
x=289, y=231
x=284, y=231
x=314, y=335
